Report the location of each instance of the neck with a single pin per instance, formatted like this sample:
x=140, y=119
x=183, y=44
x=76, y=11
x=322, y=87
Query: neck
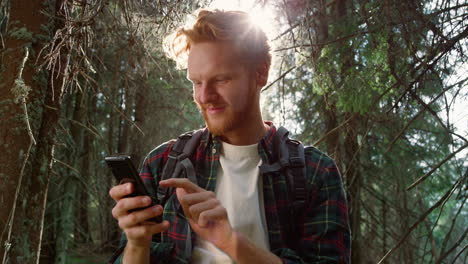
x=248, y=134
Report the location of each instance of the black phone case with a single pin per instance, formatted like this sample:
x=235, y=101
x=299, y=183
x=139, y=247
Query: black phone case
x=124, y=171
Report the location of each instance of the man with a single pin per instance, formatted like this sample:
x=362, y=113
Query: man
x=235, y=213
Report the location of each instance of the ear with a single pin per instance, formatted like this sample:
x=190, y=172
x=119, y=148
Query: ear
x=262, y=74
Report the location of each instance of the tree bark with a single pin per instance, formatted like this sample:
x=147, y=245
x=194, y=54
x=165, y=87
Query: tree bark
x=332, y=141
x=82, y=227
x=384, y=227
x=137, y=145
x=69, y=202
x=26, y=19
x=122, y=145
x=110, y=232
x=45, y=101
x=354, y=183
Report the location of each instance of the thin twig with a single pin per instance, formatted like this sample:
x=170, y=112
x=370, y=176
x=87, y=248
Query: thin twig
x=423, y=217
x=416, y=116
x=277, y=79
x=324, y=43
x=44, y=206
x=112, y=103
x=418, y=181
x=455, y=245
x=10, y=222
x=448, y=235
x=459, y=253
x=334, y=129
x=22, y=92
x=87, y=128
x=66, y=165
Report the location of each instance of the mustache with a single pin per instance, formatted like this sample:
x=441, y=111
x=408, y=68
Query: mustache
x=204, y=107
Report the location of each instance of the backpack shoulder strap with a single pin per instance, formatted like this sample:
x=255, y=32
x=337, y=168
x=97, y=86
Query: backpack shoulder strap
x=179, y=161
x=176, y=151
x=290, y=158
x=297, y=167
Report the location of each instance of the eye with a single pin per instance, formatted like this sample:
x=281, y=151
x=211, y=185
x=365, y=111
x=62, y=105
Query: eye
x=196, y=83
x=222, y=80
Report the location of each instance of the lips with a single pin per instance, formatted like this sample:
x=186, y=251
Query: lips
x=214, y=109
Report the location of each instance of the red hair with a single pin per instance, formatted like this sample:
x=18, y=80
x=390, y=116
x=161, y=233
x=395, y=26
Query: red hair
x=236, y=27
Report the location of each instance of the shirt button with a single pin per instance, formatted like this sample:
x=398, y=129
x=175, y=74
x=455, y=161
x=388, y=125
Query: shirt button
x=214, y=151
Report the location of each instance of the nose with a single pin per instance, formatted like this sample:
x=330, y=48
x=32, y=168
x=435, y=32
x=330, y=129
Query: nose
x=205, y=93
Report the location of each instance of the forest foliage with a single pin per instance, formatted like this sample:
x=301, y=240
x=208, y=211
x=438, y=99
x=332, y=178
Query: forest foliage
x=373, y=83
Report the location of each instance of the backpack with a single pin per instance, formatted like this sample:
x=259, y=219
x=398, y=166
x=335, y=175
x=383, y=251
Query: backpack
x=288, y=156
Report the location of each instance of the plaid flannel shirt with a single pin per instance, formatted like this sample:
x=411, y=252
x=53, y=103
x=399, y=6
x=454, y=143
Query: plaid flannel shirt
x=325, y=233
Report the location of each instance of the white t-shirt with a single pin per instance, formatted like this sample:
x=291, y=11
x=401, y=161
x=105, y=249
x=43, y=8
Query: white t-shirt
x=239, y=189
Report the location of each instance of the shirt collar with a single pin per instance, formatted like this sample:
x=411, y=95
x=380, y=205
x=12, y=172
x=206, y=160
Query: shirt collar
x=266, y=142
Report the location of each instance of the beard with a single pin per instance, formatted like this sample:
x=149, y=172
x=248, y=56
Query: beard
x=231, y=118
x=225, y=122
x=228, y=120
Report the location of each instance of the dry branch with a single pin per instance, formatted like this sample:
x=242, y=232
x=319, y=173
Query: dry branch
x=418, y=181
x=442, y=200
x=279, y=78
x=426, y=107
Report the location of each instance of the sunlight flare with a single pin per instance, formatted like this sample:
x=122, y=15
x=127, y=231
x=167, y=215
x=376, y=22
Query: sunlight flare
x=261, y=15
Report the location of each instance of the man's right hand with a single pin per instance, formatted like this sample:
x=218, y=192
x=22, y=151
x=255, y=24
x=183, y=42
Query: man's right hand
x=135, y=225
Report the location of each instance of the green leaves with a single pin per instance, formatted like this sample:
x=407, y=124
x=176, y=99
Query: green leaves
x=21, y=33
x=375, y=88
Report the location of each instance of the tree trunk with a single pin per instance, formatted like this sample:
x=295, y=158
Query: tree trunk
x=67, y=219
x=354, y=183
x=70, y=191
x=384, y=227
x=21, y=212
x=122, y=145
x=136, y=138
x=82, y=227
x=332, y=141
x=110, y=232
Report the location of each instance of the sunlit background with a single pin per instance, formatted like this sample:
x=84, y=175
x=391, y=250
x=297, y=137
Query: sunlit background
x=261, y=14
x=119, y=93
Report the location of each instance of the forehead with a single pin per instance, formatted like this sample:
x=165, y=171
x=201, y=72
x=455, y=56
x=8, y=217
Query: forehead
x=208, y=58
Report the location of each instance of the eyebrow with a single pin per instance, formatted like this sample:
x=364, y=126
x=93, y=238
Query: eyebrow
x=222, y=74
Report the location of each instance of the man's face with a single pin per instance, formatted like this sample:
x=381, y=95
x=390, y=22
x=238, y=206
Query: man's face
x=223, y=88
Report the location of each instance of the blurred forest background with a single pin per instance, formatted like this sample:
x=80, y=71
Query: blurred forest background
x=381, y=86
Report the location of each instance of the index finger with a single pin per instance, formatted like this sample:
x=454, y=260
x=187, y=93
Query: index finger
x=119, y=191
x=183, y=183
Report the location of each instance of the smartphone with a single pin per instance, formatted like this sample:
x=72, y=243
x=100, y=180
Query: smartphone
x=124, y=171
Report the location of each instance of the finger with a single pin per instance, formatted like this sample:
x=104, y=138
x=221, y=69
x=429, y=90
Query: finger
x=126, y=204
x=125, y=180
x=184, y=183
x=194, y=198
x=119, y=191
x=138, y=217
x=218, y=213
x=180, y=193
x=188, y=199
x=196, y=209
x=147, y=229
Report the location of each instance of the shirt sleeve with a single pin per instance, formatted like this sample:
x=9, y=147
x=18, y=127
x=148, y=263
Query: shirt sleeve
x=325, y=236
x=159, y=252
